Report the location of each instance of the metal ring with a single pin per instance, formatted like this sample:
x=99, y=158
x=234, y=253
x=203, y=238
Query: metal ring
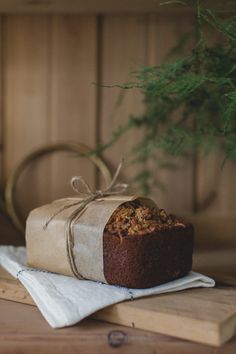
x=10, y=188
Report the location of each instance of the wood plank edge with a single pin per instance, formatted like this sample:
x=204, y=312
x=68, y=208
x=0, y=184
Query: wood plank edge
x=119, y=315
x=207, y=333
x=227, y=329
x=211, y=333
x=8, y=291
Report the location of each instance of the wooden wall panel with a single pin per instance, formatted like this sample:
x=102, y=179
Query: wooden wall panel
x=26, y=99
x=177, y=194
x=73, y=95
x=215, y=180
x=49, y=66
x=1, y=115
x=104, y=6
x=216, y=187
x=6, y=234
x=123, y=46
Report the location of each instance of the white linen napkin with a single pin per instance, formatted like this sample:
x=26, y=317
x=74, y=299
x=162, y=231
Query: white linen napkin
x=64, y=301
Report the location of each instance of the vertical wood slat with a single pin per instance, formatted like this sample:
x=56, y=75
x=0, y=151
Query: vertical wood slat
x=215, y=178
x=73, y=95
x=50, y=67
x=164, y=34
x=216, y=187
x=50, y=63
x=123, y=50
x=200, y=183
x=1, y=115
x=7, y=233
x=26, y=99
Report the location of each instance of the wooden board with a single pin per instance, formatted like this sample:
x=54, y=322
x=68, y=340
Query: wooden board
x=24, y=330
x=203, y=315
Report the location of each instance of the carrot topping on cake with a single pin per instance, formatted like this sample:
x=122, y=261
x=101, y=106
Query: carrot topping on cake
x=133, y=218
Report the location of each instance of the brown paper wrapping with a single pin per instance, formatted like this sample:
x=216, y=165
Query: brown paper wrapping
x=80, y=255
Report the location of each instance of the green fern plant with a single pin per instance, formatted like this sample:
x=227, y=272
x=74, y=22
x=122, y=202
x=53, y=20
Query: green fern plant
x=198, y=88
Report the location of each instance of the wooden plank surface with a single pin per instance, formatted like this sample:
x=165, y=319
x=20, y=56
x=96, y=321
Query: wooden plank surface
x=202, y=315
x=209, y=319
x=24, y=330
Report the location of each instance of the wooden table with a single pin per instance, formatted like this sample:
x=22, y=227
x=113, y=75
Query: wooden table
x=23, y=329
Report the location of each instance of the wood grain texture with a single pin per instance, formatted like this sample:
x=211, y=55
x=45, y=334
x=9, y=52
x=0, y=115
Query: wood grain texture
x=73, y=96
x=123, y=49
x=1, y=111
x=216, y=188
x=177, y=194
x=92, y=336
x=26, y=101
x=103, y=6
x=214, y=230
x=89, y=336
x=208, y=320
x=49, y=64
x=217, y=263
x=202, y=315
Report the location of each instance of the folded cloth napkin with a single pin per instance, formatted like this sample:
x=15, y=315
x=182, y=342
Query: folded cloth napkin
x=64, y=301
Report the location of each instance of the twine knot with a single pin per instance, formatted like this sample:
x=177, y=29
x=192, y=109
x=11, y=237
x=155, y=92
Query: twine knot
x=81, y=187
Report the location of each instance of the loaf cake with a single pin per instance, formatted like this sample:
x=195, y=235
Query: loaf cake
x=144, y=246
x=122, y=240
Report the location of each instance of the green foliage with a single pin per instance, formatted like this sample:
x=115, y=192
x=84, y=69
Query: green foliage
x=190, y=104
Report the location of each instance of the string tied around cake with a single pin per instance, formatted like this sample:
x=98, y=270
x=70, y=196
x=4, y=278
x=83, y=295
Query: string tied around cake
x=83, y=190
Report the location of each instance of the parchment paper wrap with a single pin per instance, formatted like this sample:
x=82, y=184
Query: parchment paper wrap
x=81, y=253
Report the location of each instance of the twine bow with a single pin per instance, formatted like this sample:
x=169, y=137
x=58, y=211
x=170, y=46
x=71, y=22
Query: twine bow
x=82, y=188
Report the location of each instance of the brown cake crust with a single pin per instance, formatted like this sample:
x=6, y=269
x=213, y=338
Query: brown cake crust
x=143, y=262
x=147, y=260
